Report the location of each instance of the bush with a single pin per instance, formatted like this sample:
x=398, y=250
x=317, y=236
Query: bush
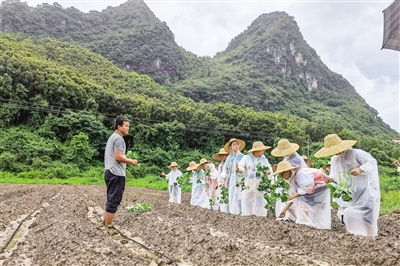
x=7, y=161
x=79, y=151
x=30, y=175
x=94, y=173
x=61, y=171
x=381, y=157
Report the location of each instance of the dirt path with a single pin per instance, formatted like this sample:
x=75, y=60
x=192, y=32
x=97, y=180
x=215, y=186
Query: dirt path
x=65, y=231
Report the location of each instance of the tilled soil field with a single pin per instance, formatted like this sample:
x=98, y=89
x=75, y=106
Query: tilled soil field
x=65, y=230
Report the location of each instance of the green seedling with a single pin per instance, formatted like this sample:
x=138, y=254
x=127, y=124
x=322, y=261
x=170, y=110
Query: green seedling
x=274, y=187
x=344, y=188
x=240, y=183
x=224, y=199
x=139, y=207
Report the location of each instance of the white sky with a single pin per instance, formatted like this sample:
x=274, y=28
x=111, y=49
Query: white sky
x=346, y=34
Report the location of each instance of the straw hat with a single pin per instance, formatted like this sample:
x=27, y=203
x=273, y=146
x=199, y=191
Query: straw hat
x=259, y=146
x=242, y=144
x=307, y=160
x=174, y=164
x=334, y=145
x=323, y=168
x=284, y=148
x=202, y=163
x=192, y=166
x=217, y=156
x=283, y=166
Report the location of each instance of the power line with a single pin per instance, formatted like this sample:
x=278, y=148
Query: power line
x=148, y=122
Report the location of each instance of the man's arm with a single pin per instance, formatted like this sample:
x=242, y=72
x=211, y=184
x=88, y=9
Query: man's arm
x=119, y=157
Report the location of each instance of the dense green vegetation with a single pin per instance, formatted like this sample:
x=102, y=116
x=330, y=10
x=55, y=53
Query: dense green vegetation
x=59, y=102
x=58, y=98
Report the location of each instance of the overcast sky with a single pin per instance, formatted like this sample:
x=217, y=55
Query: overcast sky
x=347, y=35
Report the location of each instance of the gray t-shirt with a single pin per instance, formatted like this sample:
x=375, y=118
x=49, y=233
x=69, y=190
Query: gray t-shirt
x=114, y=142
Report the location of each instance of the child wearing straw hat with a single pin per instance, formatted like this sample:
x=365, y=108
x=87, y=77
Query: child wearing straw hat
x=211, y=181
x=175, y=191
x=309, y=198
x=221, y=156
x=253, y=201
x=359, y=168
x=230, y=175
x=289, y=153
x=193, y=167
x=197, y=186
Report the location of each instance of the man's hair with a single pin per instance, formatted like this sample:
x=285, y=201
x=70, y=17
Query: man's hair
x=119, y=121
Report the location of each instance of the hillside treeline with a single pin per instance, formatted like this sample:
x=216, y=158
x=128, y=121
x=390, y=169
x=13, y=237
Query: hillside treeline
x=58, y=102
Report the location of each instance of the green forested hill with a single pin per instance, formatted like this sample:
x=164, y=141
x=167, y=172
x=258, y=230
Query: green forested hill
x=268, y=67
x=129, y=35
x=58, y=100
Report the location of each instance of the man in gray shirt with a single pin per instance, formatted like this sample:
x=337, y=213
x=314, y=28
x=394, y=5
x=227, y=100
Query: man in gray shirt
x=115, y=165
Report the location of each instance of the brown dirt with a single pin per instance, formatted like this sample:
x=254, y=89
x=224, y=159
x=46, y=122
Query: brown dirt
x=65, y=231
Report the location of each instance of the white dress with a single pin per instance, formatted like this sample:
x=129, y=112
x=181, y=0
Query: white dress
x=253, y=201
x=175, y=191
x=313, y=206
x=360, y=215
x=197, y=189
x=222, y=206
x=235, y=193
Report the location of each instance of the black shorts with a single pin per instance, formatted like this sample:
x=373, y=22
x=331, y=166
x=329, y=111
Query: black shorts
x=115, y=190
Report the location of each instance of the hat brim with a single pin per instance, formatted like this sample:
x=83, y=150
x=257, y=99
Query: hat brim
x=284, y=170
x=200, y=166
x=174, y=166
x=192, y=168
x=260, y=149
x=343, y=146
x=217, y=156
x=241, y=146
x=282, y=153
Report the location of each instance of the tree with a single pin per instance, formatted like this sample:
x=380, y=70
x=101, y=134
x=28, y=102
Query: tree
x=79, y=151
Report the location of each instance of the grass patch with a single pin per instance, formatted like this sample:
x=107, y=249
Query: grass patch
x=93, y=177
x=390, y=201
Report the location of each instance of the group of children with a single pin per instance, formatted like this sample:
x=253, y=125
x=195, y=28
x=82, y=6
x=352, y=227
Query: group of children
x=309, y=199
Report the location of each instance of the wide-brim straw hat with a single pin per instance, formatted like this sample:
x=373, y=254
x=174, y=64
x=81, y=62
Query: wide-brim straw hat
x=202, y=162
x=284, y=148
x=217, y=156
x=333, y=144
x=174, y=164
x=259, y=146
x=283, y=166
x=307, y=160
x=192, y=166
x=242, y=144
